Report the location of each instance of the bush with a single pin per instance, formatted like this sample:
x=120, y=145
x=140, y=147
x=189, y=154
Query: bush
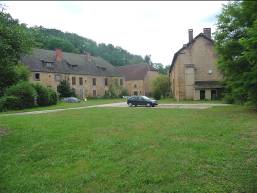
x=9, y=103
x=124, y=92
x=25, y=92
x=52, y=97
x=157, y=94
x=161, y=86
x=42, y=95
x=64, y=89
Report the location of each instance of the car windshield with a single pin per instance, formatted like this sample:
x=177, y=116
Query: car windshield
x=144, y=97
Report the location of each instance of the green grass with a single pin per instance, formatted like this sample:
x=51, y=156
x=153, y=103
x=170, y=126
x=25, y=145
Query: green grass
x=130, y=150
x=61, y=105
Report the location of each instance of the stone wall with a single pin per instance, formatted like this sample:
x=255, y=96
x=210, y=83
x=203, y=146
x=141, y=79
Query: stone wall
x=196, y=62
x=86, y=89
x=135, y=86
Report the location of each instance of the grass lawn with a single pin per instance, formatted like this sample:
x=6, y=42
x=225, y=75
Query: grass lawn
x=61, y=105
x=130, y=150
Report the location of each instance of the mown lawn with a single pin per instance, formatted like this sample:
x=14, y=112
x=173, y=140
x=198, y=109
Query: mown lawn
x=65, y=105
x=130, y=150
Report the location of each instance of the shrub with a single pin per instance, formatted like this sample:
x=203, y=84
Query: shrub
x=64, y=89
x=9, y=103
x=124, y=92
x=157, y=94
x=52, y=97
x=25, y=92
x=42, y=95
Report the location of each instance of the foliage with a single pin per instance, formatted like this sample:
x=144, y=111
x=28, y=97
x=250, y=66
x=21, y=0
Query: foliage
x=43, y=95
x=161, y=69
x=124, y=92
x=21, y=72
x=114, y=90
x=236, y=45
x=157, y=94
x=64, y=89
x=25, y=92
x=15, y=40
x=9, y=103
x=161, y=86
x=71, y=42
x=53, y=99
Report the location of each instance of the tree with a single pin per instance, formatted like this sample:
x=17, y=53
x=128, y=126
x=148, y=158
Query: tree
x=147, y=59
x=161, y=86
x=64, y=89
x=161, y=69
x=15, y=41
x=236, y=45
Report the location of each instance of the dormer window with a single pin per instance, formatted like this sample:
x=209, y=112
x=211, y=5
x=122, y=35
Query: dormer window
x=48, y=64
x=101, y=68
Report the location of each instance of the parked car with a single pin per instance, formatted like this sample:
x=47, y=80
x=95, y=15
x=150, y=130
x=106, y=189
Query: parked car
x=141, y=100
x=71, y=100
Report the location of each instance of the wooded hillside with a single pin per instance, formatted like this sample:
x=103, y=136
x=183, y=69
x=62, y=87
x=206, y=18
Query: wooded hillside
x=71, y=42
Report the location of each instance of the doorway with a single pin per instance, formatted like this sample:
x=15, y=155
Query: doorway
x=202, y=94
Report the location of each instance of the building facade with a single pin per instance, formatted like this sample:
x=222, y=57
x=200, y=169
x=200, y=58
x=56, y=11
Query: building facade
x=138, y=78
x=89, y=76
x=193, y=72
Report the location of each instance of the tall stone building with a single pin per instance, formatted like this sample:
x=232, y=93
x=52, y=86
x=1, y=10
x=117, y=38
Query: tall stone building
x=193, y=72
x=89, y=76
x=138, y=78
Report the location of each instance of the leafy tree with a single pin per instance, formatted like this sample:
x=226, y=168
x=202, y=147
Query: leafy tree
x=71, y=42
x=161, y=69
x=15, y=40
x=161, y=86
x=64, y=89
x=236, y=45
x=147, y=59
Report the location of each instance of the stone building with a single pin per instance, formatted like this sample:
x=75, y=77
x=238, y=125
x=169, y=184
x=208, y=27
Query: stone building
x=138, y=78
x=193, y=72
x=89, y=76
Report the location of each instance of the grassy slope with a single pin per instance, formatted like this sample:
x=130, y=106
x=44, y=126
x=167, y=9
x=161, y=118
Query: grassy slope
x=130, y=150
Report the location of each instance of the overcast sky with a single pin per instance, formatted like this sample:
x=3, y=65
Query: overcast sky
x=158, y=28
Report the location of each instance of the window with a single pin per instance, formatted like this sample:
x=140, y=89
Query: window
x=135, y=86
x=94, y=81
x=121, y=82
x=57, y=77
x=135, y=93
x=106, y=81
x=37, y=76
x=80, y=81
x=48, y=64
x=73, y=80
x=94, y=93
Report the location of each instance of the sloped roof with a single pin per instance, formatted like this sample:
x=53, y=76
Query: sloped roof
x=135, y=71
x=186, y=46
x=70, y=64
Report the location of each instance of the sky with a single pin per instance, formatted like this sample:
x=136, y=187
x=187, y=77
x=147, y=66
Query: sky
x=156, y=28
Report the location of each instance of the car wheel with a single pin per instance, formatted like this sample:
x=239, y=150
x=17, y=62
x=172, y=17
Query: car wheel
x=130, y=105
x=153, y=105
x=148, y=104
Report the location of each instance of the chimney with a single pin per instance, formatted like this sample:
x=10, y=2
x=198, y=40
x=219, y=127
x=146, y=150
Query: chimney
x=207, y=32
x=190, y=35
x=88, y=57
x=58, y=55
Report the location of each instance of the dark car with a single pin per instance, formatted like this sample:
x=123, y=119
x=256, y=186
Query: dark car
x=141, y=100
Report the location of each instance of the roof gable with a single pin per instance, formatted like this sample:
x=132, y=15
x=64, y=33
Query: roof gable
x=186, y=46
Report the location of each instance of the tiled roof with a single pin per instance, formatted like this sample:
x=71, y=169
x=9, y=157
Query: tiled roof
x=135, y=71
x=70, y=64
